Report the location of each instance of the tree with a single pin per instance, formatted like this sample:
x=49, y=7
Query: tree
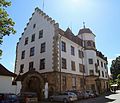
x=118, y=79
x=115, y=68
x=6, y=23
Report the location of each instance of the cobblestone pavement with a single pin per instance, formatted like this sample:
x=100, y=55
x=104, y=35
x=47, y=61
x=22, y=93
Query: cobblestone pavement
x=107, y=98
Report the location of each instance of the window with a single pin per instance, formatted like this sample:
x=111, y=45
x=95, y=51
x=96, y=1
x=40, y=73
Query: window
x=81, y=82
x=21, y=68
x=31, y=64
x=102, y=74
x=99, y=72
x=93, y=44
x=64, y=82
x=23, y=54
x=72, y=50
x=91, y=72
x=42, y=64
x=74, y=83
x=26, y=40
x=63, y=46
x=101, y=64
x=105, y=65
x=89, y=43
x=73, y=65
x=42, y=48
x=96, y=70
x=90, y=61
x=64, y=63
x=81, y=68
x=96, y=67
x=98, y=62
x=40, y=34
x=32, y=51
x=34, y=26
x=33, y=38
x=80, y=53
x=106, y=74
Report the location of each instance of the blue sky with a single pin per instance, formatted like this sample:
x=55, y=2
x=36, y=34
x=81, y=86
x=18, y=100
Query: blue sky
x=101, y=16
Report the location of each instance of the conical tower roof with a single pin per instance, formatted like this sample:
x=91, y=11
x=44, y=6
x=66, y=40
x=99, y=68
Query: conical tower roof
x=85, y=30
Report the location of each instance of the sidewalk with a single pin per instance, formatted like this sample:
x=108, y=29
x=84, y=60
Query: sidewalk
x=108, y=97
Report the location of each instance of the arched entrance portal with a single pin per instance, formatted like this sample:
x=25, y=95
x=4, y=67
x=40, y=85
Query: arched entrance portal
x=33, y=82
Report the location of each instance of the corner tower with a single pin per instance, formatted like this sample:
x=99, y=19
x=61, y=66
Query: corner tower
x=90, y=61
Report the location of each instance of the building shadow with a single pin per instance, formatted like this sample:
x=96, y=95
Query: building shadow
x=108, y=94
x=109, y=100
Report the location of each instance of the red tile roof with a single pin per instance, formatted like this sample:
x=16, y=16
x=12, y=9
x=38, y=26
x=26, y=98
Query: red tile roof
x=69, y=35
x=5, y=72
x=99, y=54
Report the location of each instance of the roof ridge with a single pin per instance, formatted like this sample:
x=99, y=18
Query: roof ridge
x=6, y=72
x=48, y=18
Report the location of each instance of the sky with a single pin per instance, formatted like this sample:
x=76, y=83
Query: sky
x=101, y=16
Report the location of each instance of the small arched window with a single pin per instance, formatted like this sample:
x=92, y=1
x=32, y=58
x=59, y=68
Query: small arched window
x=88, y=43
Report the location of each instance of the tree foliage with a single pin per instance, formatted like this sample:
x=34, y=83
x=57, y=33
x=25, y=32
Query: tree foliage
x=6, y=23
x=118, y=79
x=115, y=68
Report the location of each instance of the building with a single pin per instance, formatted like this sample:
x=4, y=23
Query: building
x=6, y=81
x=47, y=54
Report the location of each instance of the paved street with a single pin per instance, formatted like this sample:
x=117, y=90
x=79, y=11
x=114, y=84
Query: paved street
x=108, y=98
x=113, y=98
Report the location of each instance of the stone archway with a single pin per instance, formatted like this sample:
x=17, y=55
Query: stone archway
x=33, y=82
x=51, y=91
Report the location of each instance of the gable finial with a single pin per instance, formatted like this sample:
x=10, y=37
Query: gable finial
x=84, y=25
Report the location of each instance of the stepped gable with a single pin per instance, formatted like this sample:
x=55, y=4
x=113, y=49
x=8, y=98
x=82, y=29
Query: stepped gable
x=49, y=19
x=44, y=15
x=69, y=35
x=5, y=72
